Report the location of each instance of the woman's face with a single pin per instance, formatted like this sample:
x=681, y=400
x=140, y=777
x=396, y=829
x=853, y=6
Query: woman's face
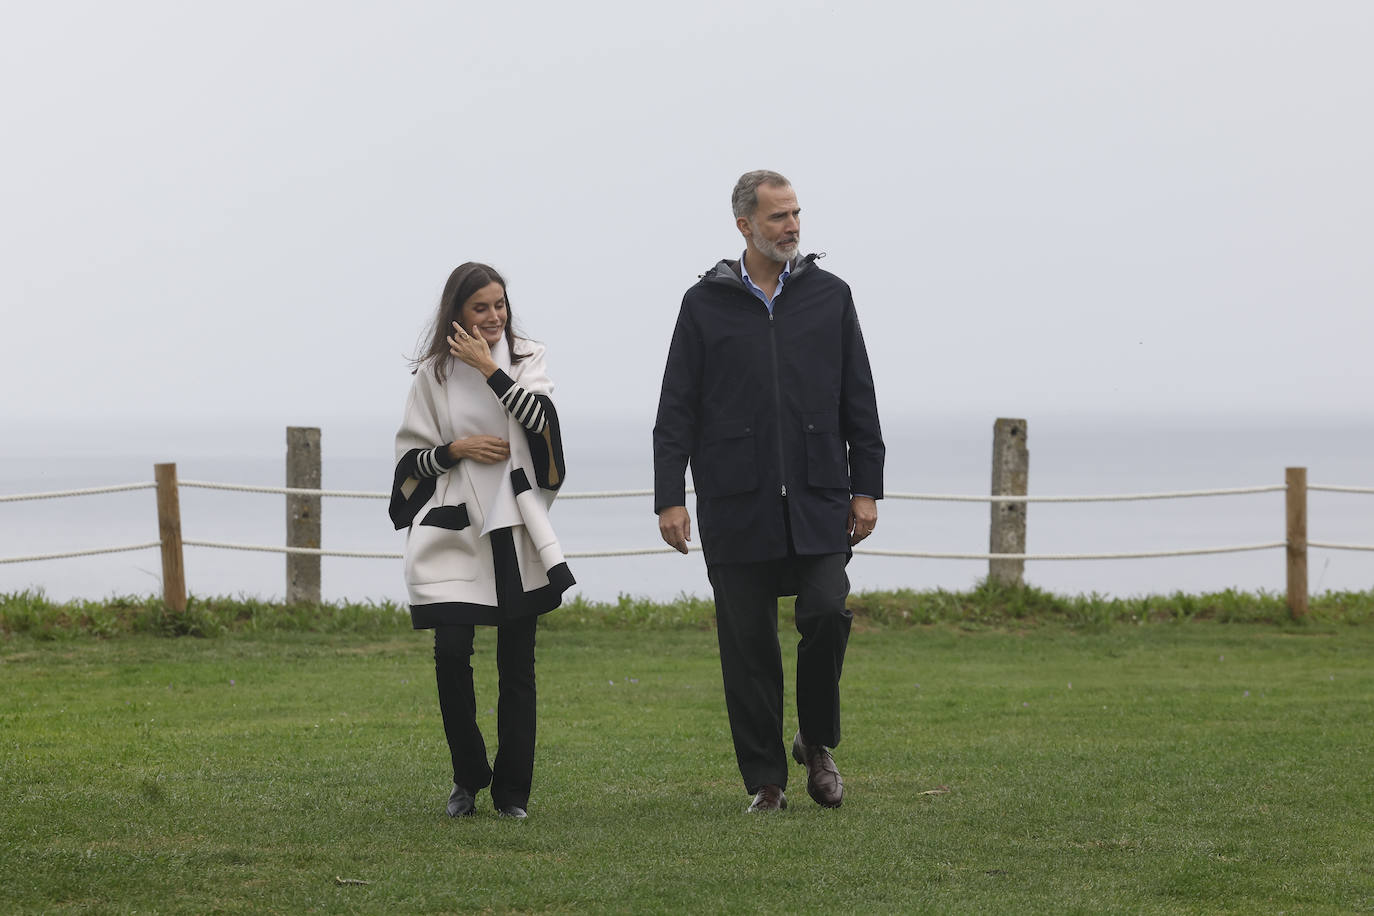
x=485, y=310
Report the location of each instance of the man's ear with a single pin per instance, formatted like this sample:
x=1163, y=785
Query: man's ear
x=742, y=222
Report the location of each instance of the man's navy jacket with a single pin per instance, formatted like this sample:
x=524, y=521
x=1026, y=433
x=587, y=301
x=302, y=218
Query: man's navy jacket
x=776, y=414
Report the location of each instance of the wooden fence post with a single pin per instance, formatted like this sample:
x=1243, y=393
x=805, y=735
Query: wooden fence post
x=1295, y=503
x=169, y=533
x=1010, y=473
x=302, y=514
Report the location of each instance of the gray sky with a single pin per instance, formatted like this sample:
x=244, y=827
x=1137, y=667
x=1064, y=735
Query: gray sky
x=248, y=211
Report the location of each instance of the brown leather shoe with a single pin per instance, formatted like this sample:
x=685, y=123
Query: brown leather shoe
x=769, y=798
x=823, y=782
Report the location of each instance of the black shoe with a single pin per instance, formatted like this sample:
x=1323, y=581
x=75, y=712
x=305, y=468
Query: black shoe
x=460, y=803
x=823, y=782
x=514, y=811
x=768, y=798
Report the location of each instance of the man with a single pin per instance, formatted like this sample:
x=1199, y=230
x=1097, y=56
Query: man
x=768, y=394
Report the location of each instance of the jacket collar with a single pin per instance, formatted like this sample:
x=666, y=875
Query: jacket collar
x=728, y=271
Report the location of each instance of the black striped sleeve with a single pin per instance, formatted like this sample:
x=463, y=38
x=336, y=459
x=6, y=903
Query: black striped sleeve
x=433, y=462
x=409, y=490
x=536, y=413
x=525, y=407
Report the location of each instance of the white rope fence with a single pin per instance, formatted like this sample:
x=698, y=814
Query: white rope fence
x=915, y=554
x=627, y=552
x=1330, y=546
x=610, y=494
x=321, y=552
x=288, y=491
x=79, y=553
x=88, y=491
x=647, y=551
x=618, y=494
x=303, y=551
x=928, y=497
x=1100, y=498
x=1133, y=555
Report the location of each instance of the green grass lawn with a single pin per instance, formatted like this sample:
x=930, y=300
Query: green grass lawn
x=1161, y=768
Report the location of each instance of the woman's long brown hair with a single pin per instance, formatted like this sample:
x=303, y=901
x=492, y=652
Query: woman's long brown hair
x=465, y=280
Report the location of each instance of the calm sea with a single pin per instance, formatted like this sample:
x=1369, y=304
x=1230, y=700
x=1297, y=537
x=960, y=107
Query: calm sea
x=1069, y=455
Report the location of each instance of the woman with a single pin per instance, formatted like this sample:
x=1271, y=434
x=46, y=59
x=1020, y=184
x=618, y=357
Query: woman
x=478, y=461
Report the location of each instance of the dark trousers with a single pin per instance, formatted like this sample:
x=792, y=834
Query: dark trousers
x=511, y=776
x=751, y=660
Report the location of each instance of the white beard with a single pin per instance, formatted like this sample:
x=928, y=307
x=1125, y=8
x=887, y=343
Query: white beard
x=771, y=250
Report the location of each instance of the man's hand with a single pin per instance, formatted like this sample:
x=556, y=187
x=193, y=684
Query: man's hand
x=675, y=525
x=863, y=516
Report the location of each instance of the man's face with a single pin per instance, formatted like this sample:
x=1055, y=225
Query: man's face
x=775, y=228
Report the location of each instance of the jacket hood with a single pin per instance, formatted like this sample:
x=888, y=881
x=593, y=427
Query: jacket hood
x=727, y=271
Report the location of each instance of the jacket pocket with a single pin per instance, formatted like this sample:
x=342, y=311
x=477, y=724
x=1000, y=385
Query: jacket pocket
x=827, y=464
x=453, y=518
x=442, y=547
x=727, y=463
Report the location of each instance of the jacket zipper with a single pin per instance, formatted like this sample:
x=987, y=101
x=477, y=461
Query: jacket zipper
x=777, y=401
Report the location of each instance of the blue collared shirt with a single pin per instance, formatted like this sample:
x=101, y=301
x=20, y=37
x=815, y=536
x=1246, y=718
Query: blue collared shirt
x=763, y=297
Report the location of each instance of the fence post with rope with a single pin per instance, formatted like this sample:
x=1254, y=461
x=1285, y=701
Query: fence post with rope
x=303, y=514
x=1010, y=477
x=169, y=535
x=1295, y=505
x=1011, y=461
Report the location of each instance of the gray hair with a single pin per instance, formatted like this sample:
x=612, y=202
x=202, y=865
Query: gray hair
x=745, y=198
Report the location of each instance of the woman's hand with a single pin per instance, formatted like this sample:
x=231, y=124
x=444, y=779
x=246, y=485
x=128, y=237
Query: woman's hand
x=471, y=348
x=484, y=449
